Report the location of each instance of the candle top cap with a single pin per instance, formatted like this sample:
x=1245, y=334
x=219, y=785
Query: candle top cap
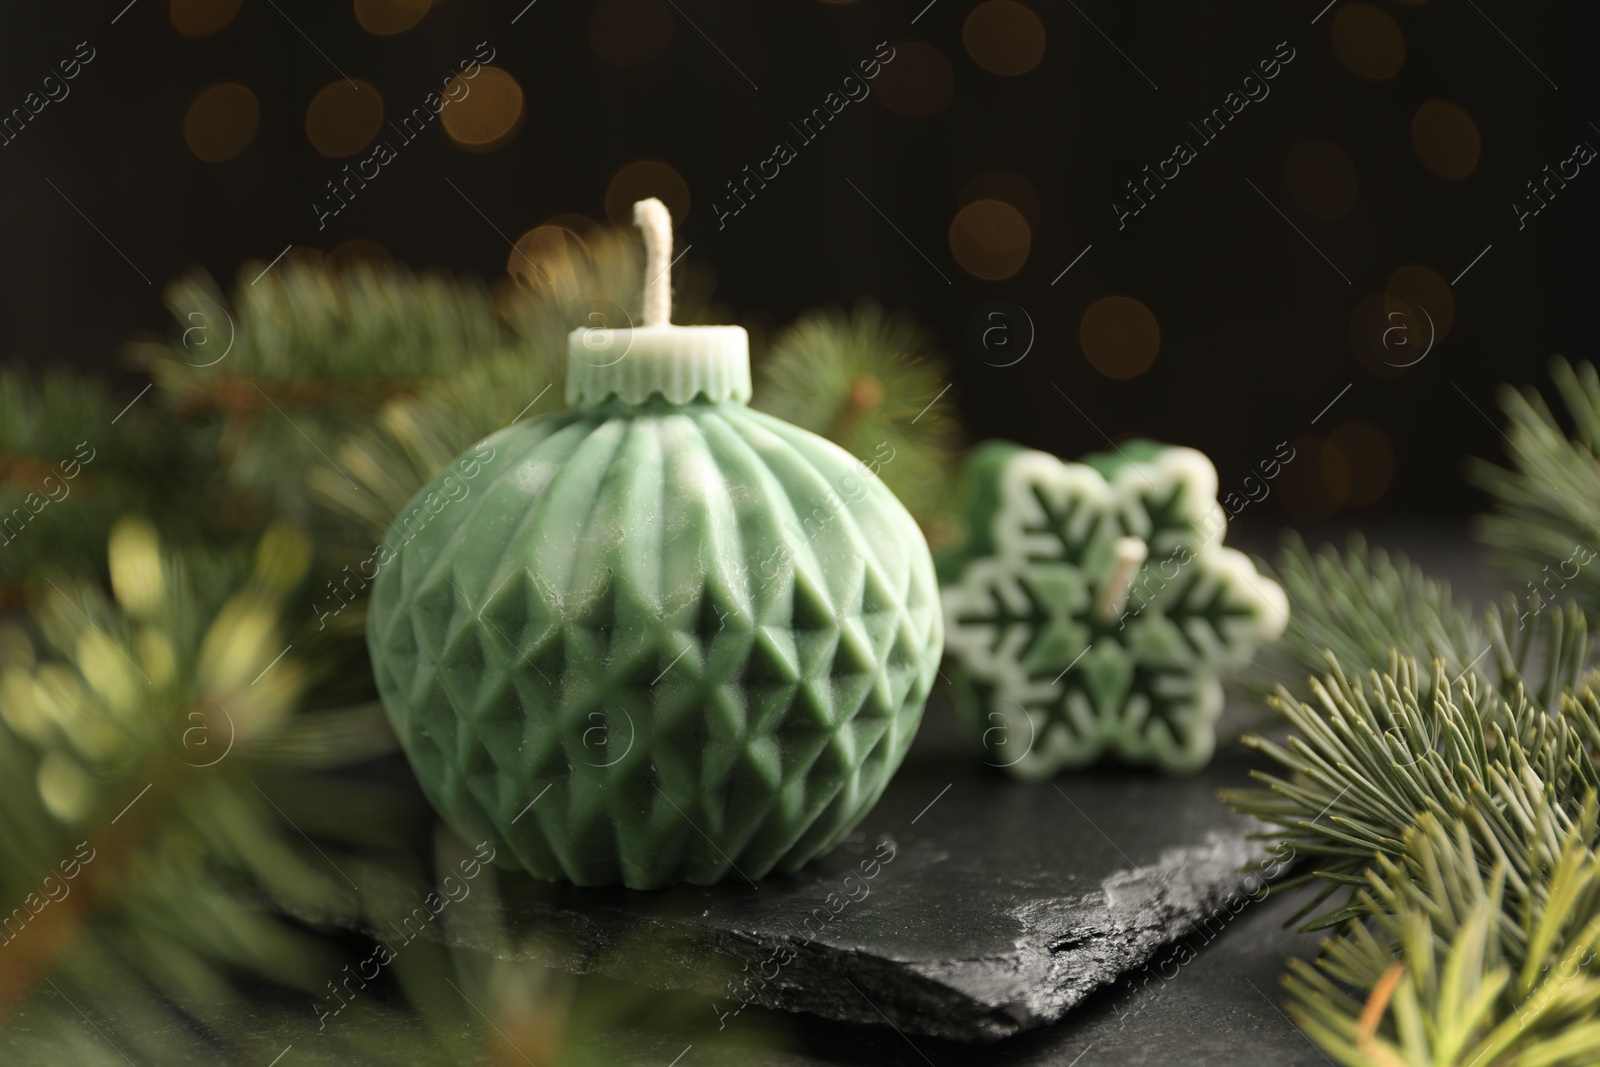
x=677, y=362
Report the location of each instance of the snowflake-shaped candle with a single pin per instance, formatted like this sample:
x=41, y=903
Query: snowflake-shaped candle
x=1094, y=610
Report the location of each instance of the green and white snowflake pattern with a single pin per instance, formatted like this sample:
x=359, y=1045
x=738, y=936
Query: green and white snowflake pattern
x=1094, y=610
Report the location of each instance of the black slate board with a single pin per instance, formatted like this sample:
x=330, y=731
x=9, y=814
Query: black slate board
x=993, y=906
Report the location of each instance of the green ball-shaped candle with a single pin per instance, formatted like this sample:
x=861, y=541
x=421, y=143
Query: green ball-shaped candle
x=660, y=636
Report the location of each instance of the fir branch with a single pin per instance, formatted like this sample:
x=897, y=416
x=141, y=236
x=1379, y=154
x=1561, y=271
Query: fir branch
x=72, y=460
x=1373, y=756
x=1470, y=958
x=1364, y=606
x=1546, y=518
x=303, y=355
x=383, y=462
x=871, y=383
x=126, y=774
x=412, y=439
x=1457, y=805
x=318, y=326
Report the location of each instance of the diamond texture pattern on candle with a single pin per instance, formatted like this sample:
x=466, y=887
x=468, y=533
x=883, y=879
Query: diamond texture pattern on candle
x=690, y=644
x=1052, y=678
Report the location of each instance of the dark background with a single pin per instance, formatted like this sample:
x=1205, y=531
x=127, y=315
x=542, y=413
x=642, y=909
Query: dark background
x=1258, y=331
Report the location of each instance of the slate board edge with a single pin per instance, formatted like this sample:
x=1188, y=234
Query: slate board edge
x=1034, y=985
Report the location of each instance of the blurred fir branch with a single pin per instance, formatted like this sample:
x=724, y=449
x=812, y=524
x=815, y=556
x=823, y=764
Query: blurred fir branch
x=128, y=810
x=387, y=459
x=304, y=354
x=872, y=383
x=1546, y=517
x=1361, y=607
x=73, y=459
x=351, y=327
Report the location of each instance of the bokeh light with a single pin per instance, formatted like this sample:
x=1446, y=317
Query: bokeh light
x=201, y=18
x=1321, y=178
x=1120, y=336
x=1391, y=334
x=1446, y=139
x=1316, y=483
x=343, y=118
x=918, y=82
x=641, y=179
x=1424, y=288
x=387, y=17
x=1368, y=41
x=1007, y=186
x=549, y=257
x=627, y=33
x=990, y=239
x=1360, y=459
x=1004, y=37
x=487, y=115
x=1335, y=473
x=221, y=122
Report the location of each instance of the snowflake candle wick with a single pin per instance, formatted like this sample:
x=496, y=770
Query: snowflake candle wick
x=1130, y=553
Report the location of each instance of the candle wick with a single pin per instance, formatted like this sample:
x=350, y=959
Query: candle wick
x=655, y=222
x=1130, y=553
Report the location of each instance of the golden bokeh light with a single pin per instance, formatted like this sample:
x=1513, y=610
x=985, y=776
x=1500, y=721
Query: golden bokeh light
x=388, y=17
x=482, y=113
x=641, y=179
x=1120, y=336
x=1005, y=185
x=1426, y=290
x=201, y=18
x=550, y=258
x=629, y=33
x=1322, y=178
x=1316, y=484
x=917, y=82
x=990, y=239
x=221, y=122
x=1004, y=37
x=1336, y=474
x=1360, y=459
x=343, y=118
x=1446, y=139
x=1391, y=333
x=1368, y=41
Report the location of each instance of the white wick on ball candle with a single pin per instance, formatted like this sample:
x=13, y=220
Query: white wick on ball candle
x=655, y=222
x=677, y=362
